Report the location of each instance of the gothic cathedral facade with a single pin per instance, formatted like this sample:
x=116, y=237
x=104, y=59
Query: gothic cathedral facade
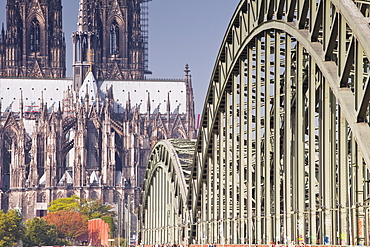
x=33, y=44
x=109, y=35
x=88, y=136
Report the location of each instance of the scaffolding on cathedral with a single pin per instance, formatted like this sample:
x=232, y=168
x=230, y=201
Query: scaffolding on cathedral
x=144, y=22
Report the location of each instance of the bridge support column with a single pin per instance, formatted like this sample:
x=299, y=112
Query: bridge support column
x=221, y=168
x=276, y=131
x=267, y=149
x=258, y=137
x=228, y=164
x=249, y=158
x=288, y=232
x=236, y=167
x=299, y=143
x=216, y=193
x=343, y=183
x=312, y=153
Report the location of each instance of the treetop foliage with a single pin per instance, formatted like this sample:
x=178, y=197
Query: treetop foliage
x=70, y=215
x=39, y=232
x=92, y=209
x=69, y=224
x=11, y=228
x=68, y=204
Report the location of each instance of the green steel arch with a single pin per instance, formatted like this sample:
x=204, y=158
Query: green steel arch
x=283, y=150
x=163, y=210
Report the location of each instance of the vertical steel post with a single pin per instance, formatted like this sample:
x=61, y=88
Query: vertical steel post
x=276, y=126
x=267, y=149
x=289, y=232
x=312, y=152
x=258, y=170
x=235, y=162
x=249, y=146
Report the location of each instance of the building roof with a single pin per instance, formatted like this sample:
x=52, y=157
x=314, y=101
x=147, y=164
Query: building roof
x=157, y=91
x=89, y=86
x=33, y=90
x=51, y=91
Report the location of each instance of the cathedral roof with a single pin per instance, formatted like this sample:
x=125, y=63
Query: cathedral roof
x=33, y=90
x=50, y=91
x=89, y=88
x=159, y=90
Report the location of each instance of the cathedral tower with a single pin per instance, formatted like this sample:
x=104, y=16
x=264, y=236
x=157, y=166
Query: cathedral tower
x=109, y=36
x=33, y=44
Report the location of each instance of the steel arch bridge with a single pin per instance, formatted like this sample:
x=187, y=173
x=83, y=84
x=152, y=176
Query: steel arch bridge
x=283, y=151
x=163, y=212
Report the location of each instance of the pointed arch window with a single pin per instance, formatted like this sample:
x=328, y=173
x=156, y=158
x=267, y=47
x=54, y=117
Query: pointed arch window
x=114, y=39
x=84, y=49
x=35, y=36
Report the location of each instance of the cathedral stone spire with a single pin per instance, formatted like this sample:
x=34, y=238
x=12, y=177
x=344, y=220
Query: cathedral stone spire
x=168, y=113
x=168, y=103
x=188, y=76
x=34, y=45
x=148, y=104
x=190, y=117
x=112, y=30
x=83, y=21
x=21, y=105
x=84, y=42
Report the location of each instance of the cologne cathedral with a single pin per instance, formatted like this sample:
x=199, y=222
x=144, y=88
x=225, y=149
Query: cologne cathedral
x=91, y=135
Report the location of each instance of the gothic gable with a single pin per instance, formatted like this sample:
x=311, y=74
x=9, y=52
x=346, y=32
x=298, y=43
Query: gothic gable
x=93, y=115
x=11, y=122
x=115, y=72
x=35, y=9
x=160, y=126
x=178, y=130
x=115, y=13
x=35, y=70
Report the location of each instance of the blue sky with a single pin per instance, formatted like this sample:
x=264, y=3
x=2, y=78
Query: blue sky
x=180, y=32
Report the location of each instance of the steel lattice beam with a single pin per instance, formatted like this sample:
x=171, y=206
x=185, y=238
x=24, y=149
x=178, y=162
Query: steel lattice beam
x=163, y=211
x=283, y=151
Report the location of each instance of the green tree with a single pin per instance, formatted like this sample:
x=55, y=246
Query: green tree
x=68, y=204
x=11, y=228
x=94, y=209
x=39, y=232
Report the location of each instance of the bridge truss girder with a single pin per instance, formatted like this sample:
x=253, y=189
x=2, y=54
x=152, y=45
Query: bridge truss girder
x=284, y=136
x=283, y=150
x=163, y=212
